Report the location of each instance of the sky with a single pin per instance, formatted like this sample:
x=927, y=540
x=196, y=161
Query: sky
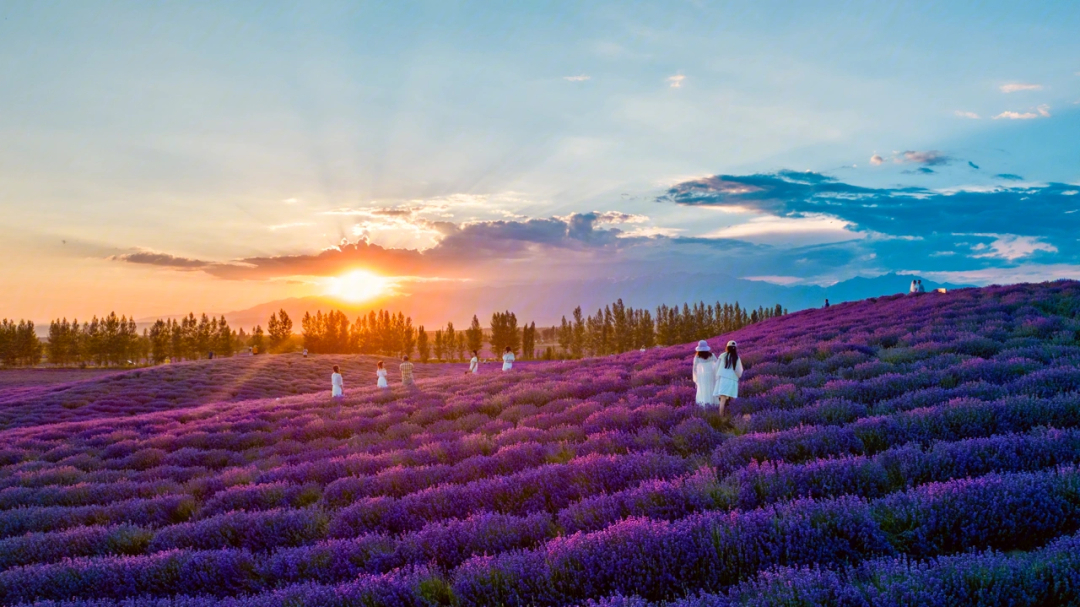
x=174, y=156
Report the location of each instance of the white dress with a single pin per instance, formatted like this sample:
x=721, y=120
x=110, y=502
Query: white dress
x=337, y=385
x=727, y=380
x=705, y=377
x=382, y=379
x=508, y=361
x=474, y=365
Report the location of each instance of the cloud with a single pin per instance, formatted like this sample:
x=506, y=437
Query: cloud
x=970, y=115
x=1009, y=222
x=1009, y=176
x=929, y=158
x=973, y=165
x=459, y=251
x=579, y=78
x=676, y=81
x=776, y=280
x=1029, y=272
x=285, y=226
x=165, y=260
x=1012, y=247
x=1043, y=111
x=1016, y=87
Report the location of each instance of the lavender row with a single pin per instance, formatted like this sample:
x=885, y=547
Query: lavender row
x=225, y=571
x=951, y=421
x=153, y=512
x=892, y=470
x=545, y=489
x=710, y=551
x=1047, y=576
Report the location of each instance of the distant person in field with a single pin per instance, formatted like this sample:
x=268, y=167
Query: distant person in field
x=305, y=352
x=474, y=363
x=406, y=372
x=704, y=374
x=921, y=288
x=337, y=384
x=508, y=359
x=914, y=287
x=729, y=369
x=826, y=303
x=380, y=372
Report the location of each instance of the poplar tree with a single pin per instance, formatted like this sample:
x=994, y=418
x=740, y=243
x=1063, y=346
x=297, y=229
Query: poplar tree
x=475, y=335
x=422, y=345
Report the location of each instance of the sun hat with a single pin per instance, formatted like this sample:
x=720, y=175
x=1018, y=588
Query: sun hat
x=732, y=343
x=703, y=346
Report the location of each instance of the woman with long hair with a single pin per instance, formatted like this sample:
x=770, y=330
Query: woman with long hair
x=729, y=369
x=337, y=384
x=704, y=374
x=380, y=372
x=474, y=364
x=508, y=359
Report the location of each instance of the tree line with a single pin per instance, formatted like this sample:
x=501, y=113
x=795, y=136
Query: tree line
x=384, y=333
x=613, y=329
x=113, y=340
x=616, y=328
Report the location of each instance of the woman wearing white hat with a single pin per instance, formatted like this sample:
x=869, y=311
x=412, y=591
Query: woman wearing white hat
x=728, y=371
x=704, y=374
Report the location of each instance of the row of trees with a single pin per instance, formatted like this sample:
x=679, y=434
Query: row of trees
x=19, y=344
x=617, y=328
x=379, y=332
x=113, y=340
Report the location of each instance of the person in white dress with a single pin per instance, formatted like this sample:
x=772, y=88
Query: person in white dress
x=380, y=372
x=729, y=369
x=508, y=359
x=337, y=384
x=704, y=374
x=474, y=363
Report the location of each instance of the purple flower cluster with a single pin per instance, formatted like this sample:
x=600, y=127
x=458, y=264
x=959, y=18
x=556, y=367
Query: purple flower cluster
x=910, y=446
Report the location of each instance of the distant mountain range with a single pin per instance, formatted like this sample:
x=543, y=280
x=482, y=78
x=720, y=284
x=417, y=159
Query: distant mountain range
x=433, y=304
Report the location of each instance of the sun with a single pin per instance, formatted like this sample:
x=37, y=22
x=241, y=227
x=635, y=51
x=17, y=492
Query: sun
x=357, y=286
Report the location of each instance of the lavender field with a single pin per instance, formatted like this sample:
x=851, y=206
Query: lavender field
x=905, y=450
x=33, y=396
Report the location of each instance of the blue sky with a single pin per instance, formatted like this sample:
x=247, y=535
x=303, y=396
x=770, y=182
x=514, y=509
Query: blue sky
x=212, y=156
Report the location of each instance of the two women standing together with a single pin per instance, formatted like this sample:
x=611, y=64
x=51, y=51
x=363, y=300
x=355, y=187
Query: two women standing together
x=717, y=378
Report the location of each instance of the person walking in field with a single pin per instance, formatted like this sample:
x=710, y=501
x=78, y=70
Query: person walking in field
x=729, y=369
x=704, y=374
x=474, y=364
x=508, y=359
x=380, y=372
x=406, y=369
x=337, y=384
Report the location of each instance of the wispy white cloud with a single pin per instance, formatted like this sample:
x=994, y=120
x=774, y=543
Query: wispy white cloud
x=1011, y=247
x=876, y=159
x=963, y=114
x=578, y=78
x=1003, y=276
x=1043, y=111
x=776, y=280
x=1020, y=86
x=285, y=226
x=676, y=81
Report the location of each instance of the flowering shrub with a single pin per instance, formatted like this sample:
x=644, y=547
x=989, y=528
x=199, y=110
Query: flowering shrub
x=910, y=449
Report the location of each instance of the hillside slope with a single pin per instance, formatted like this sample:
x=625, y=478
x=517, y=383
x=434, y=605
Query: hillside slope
x=887, y=426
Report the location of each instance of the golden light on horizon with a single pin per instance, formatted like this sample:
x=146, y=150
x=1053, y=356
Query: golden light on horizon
x=357, y=286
